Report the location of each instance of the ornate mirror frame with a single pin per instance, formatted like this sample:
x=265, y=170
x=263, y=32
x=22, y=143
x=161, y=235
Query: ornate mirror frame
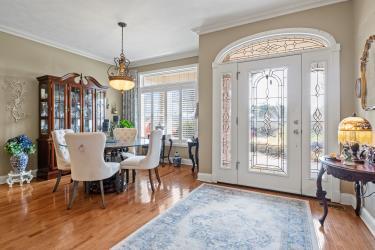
x=364, y=60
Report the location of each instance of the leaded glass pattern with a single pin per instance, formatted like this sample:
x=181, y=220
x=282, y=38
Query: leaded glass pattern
x=226, y=109
x=268, y=121
x=317, y=121
x=273, y=46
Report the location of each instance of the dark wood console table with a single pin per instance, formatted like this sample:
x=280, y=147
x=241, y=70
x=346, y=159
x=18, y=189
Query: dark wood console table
x=194, y=157
x=359, y=173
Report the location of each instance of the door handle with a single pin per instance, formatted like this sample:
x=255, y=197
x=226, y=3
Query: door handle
x=296, y=131
x=295, y=122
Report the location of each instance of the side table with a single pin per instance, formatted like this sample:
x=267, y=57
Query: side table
x=360, y=174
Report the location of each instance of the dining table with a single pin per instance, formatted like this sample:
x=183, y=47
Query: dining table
x=111, y=147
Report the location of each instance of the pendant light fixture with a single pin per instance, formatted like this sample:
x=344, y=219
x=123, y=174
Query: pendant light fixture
x=118, y=74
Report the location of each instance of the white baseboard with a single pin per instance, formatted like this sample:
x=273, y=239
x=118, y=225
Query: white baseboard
x=367, y=218
x=204, y=177
x=3, y=179
x=348, y=199
x=184, y=161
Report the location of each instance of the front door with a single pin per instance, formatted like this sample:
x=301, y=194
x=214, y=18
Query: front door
x=269, y=124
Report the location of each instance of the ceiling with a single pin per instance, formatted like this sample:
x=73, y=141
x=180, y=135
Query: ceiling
x=156, y=29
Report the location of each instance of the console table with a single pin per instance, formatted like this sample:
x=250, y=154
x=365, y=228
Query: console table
x=194, y=157
x=360, y=174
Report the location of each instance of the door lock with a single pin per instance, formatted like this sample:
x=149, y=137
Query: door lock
x=296, y=131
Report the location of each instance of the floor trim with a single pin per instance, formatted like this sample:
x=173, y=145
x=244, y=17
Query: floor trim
x=205, y=177
x=367, y=218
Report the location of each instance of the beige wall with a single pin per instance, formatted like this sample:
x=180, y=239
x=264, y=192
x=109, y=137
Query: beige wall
x=24, y=60
x=335, y=19
x=164, y=65
x=364, y=26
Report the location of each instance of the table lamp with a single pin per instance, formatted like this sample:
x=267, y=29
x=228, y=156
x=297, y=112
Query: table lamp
x=353, y=131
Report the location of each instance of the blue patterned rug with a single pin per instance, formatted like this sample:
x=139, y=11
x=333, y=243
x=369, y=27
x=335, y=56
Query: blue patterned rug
x=215, y=217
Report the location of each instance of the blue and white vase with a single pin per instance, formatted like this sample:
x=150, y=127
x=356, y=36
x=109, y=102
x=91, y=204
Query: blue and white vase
x=19, y=162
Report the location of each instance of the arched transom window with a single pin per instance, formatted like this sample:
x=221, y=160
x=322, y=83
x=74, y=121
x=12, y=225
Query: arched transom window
x=275, y=45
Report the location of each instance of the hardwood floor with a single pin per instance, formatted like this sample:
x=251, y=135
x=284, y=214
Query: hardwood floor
x=32, y=217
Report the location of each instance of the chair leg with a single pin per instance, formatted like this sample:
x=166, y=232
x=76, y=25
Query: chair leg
x=152, y=184
x=102, y=192
x=73, y=194
x=123, y=180
x=157, y=174
x=133, y=175
x=127, y=176
x=58, y=179
x=118, y=183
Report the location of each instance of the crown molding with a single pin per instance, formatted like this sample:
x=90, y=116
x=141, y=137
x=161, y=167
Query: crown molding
x=204, y=29
x=165, y=58
x=29, y=36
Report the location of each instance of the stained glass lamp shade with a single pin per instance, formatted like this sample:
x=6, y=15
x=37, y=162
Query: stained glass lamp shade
x=353, y=131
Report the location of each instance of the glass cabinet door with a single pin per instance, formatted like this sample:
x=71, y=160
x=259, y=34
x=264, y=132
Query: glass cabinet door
x=43, y=110
x=88, y=110
x=75, y=109
x=59, y=106
x=100, y=110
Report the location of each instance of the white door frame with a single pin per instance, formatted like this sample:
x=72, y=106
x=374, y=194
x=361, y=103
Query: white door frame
x=332, y=51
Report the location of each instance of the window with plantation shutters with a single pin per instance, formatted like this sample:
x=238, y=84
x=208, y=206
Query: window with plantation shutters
x=168, y=101
x=158, y=110
x=188, y=113
x=173, y=114
x=146, y=105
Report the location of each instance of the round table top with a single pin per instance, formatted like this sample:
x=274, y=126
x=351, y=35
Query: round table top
x=114, y=144
x=365, y=167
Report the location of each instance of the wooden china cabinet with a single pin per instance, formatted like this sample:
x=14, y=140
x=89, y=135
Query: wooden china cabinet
x=67, y=102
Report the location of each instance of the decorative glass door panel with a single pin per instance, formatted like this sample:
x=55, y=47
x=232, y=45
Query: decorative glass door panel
x=59, y=106
x=319, y=131
x=75, y=109
x=269, y=124
x=267, y=120
x=88, y=100
x=317, y=115
x=226, y=118
x=226, y=123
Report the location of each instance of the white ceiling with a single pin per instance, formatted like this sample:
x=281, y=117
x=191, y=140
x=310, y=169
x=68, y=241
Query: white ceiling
x=156, y=28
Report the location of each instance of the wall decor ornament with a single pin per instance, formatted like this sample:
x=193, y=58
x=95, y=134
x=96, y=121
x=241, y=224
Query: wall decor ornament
x=15, y=93
x=368, y=75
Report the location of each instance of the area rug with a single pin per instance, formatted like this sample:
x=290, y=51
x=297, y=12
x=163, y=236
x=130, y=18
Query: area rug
x=216, y=217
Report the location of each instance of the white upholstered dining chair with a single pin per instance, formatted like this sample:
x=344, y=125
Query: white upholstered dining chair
x=87, y=161
x=127, y=135
x=61, y=152
x=150, y=160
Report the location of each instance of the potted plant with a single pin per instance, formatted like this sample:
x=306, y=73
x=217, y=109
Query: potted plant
x=125, y=124
x=19, y=148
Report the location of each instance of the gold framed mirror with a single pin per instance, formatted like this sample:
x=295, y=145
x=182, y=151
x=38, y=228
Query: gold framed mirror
x=367, y=90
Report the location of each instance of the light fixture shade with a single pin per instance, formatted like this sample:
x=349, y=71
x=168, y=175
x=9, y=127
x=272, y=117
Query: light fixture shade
x=121, y=83
x=118, y=74
x=355, y=129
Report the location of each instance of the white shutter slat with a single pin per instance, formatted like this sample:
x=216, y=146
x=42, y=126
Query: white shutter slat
x=173, y=114
x=146, y=107
x=188, y=110
x=158, y=110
